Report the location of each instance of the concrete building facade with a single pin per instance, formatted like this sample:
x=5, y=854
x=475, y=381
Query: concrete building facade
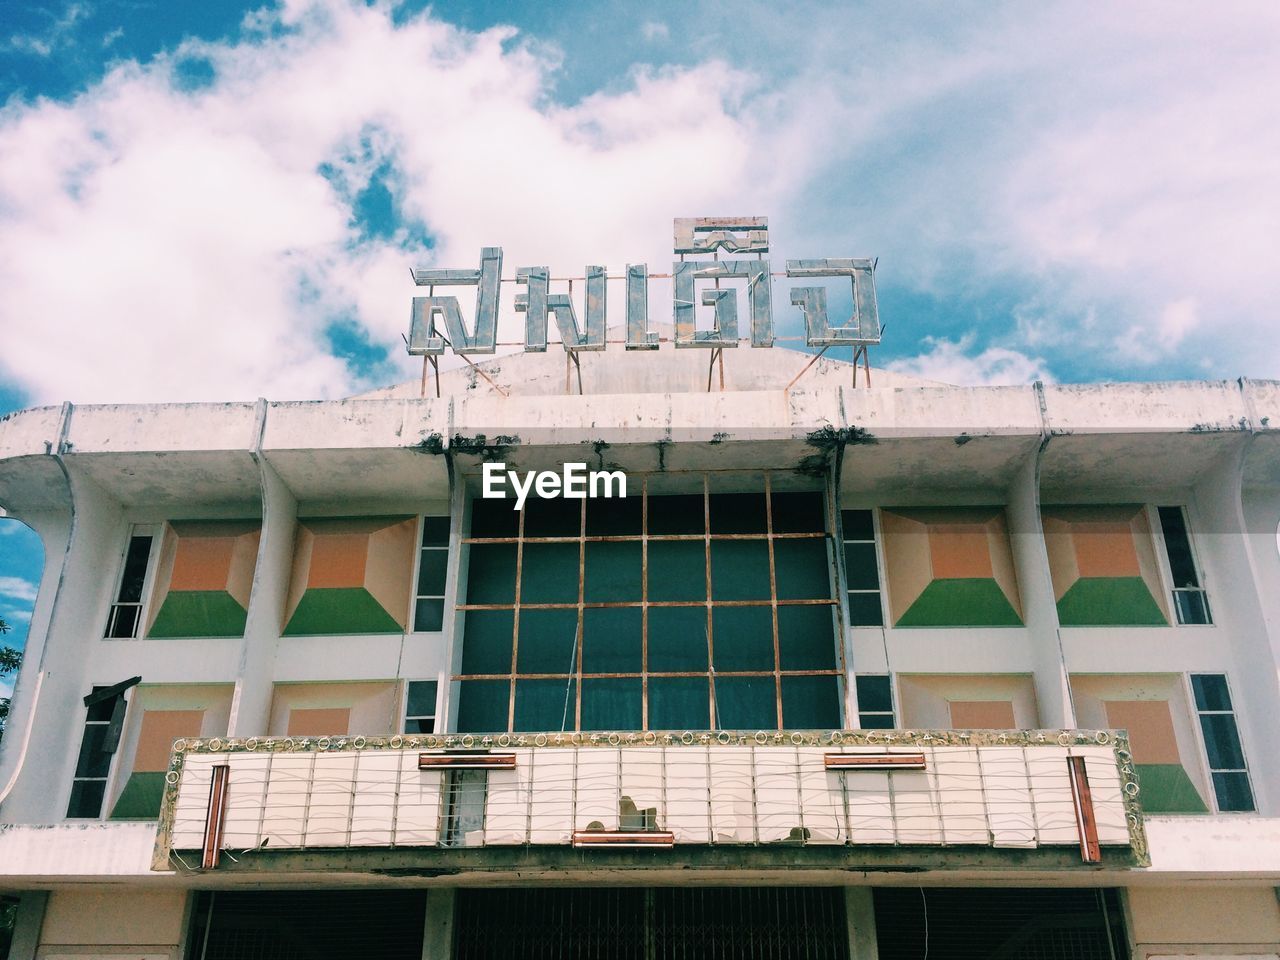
x=850, y=671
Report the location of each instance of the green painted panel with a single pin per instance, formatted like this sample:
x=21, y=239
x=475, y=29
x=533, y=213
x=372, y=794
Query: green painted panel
x=199, y=613
x=140, y=798
x=1109, y=602
x=1166, y=788
x=334, y=610
x=961, y=602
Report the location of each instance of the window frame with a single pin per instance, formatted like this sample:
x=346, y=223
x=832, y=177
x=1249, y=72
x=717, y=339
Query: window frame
x=891, y=713
x=110, y=784
x=1166, y=570
x=1196, y=713
x=440, y=683
x=156, y=531
x=877, y=543
x=706, y=489
x=450, y=573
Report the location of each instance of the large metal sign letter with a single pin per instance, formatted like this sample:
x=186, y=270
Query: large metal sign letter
x=539, y=303
x=423, y=338
x=863, y=327
x=725, y=329
x=638, y=335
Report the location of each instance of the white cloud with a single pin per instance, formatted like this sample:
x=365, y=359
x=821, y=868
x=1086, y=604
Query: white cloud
x=953, y=362
x=158, y=244
x=15, y=588
x=53, y=37
x=15, y=615
x=654, y=30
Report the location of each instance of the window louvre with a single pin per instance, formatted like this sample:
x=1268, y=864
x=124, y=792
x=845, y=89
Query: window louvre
x=433, y=566
x=861, y=569
x=1222, y=747
x=1188, y=594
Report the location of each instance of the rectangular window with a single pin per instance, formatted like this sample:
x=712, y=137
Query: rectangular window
x=104, y=721
x=875, y=701
x=420, y=707
x=465, y=793
x=659, y=611
x=1222, y=746
x=861, y=571
x=433, y=564
x=1188, y=593
x=125, y=618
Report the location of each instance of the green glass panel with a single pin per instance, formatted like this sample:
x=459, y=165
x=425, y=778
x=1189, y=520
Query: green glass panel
x=1233, y=792
x=679, y=703
x=740, y=570
x=810, y=703
x=545, y=705
x=494, y=518
x=677, y=570
x=609, y=704
x=486, y=641
x=421, y=699
x=676, y=514
x=483, y=705
x=428, y=616
x=549, y=573
x=339, y=610
x=798, y=513
x=1166, y=788
x=1222, y=741
x=432, y=568
x=677, y=639
x=865, y=610
x=1109, y=601
x=613, y=572
x=615, y=516
x=874, y=693
x=612, y=640
x=746, y=703
x=802, y=569
x=961, y=602
x=742, y=638
x=491, y=573
x=860, y=571
x=140, y=798
x=738, y=513
x=806, y=638
x=435, y=531
x=857, y=525
x=548, y=641
x=552, y=517
x=1211, y=691
x=204, y=613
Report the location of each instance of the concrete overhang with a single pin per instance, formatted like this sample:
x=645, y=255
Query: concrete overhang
x=365, y=450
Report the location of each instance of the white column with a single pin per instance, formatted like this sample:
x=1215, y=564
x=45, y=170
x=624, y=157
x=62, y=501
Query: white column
x=861, y=918
x=437, y=937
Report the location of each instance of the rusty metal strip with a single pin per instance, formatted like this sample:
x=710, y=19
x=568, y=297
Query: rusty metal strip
x=466, y=761
x=623, y=839
x=1086, y=820
x=215, y=816
x=858, y=761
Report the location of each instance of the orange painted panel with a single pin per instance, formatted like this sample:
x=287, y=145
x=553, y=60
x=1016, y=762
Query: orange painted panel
x=1105, y=549
x=321, y=722
x=1150, y=726
x=159, y=729
x=982, y=715
x=959, y=551
x=338, y=560
x=202, y=563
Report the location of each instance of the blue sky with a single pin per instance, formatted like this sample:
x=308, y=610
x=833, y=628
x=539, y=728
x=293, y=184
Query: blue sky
x=218, y=201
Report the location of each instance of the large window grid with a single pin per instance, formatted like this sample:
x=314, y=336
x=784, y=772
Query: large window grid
x=690, y=611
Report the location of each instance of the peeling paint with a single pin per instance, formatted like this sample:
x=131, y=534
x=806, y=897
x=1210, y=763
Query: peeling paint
x=831, y=442
x=961, y=440
x=719, y=437
x=480, y=446
x=431, y=444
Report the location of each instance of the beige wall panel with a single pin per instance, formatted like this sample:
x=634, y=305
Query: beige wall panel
x=159, y=729
x=1058, y=543
x=982, y=715
x=113, y=917
x=1000, y=553
x=389, y=572
x=338, y=560
x=319, y=722
x=1150, y=724
x=1149, y=567
x=907, y=566
x=163, y=571
x=1208, y=915
x=202, y=563
x=301, y=566
x=244, y=560
x=959, y=550
x=1105, y=548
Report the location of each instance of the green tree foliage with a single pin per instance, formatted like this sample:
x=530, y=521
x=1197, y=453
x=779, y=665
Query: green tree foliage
x=9, y=661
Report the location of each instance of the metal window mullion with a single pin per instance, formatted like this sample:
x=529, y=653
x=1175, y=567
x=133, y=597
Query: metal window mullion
x=773, y=598
x=515, y=624
x=713, y=709
x=644, y=604
x=579, y=640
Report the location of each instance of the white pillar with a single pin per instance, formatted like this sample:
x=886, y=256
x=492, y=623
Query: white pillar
x=861, y=918
x=437, y=937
